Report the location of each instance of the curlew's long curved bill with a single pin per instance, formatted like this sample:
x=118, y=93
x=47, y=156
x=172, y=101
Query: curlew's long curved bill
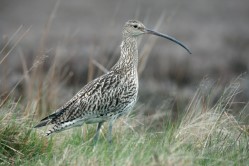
x=148, y=31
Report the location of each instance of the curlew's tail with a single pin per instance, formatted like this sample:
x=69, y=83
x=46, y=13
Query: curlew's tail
x=58, y=126
x=43, y=123
x=55, y=128
x=65, y=126
x=47, y=120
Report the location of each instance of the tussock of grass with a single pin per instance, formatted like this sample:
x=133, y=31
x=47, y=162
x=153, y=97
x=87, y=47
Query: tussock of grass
x=213, y=134
x=18, y=141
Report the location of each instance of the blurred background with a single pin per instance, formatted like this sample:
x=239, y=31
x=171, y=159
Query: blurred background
x=50, y=48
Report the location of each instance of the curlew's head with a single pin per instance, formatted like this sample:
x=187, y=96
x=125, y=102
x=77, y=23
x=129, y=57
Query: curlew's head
x=134, y=28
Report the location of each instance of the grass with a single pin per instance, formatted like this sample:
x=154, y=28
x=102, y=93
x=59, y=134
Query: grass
x=19, y=143
x=204, y=135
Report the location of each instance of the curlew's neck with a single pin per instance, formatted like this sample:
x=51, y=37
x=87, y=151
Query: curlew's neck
x=129, y=54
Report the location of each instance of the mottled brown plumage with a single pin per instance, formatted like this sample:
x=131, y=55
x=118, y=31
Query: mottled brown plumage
x=109, y=96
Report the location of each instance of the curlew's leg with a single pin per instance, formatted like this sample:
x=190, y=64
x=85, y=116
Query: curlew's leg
x=109, y=134
x=96, y=136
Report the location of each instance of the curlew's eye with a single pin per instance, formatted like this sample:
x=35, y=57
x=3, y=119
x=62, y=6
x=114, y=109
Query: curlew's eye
x=135, y=26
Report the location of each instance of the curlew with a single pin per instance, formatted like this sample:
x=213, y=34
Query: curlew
x=109, y=96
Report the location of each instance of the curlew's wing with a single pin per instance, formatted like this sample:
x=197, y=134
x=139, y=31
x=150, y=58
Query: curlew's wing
x=93, y=103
